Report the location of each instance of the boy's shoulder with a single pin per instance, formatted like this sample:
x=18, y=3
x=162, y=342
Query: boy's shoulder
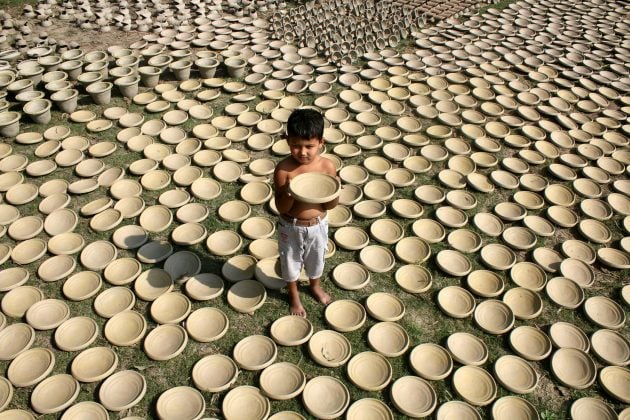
x=286, y=164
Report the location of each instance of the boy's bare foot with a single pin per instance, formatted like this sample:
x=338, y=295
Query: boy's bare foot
x=319, y=294
x=295, y=304
x=296, y=308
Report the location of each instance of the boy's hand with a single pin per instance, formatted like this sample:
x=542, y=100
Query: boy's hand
x=284, y=189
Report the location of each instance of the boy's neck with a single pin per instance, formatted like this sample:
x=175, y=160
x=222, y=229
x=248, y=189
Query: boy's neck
x=314, y=161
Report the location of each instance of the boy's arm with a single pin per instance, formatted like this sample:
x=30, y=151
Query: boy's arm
x=284, y=200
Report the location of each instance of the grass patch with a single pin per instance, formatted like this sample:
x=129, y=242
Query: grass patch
x=423, y=321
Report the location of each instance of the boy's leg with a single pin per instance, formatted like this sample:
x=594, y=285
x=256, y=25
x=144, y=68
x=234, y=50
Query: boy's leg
x=295, y=304
x=317, y=291
x=289, y=244
x=314, y=260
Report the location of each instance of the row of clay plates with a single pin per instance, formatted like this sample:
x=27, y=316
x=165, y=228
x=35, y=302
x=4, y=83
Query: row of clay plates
x=455, y=166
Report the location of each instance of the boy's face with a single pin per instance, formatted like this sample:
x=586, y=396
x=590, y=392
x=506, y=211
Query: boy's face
x=304, y=151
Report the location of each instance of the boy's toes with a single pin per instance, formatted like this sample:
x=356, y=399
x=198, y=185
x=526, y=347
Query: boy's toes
x=298, y=310
x=319, y=294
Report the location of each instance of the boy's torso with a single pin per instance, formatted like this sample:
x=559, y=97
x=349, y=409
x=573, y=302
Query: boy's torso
x=301, y=210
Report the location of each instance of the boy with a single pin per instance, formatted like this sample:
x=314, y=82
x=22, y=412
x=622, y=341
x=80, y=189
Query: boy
x=303, y=230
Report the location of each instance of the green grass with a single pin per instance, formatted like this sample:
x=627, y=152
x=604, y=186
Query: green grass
x=424, y=321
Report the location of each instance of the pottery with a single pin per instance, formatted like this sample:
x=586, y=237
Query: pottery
x=314, y=187
x=165, y=342
x=122, y=390
x=388, y=339
x=100, y=92
x=38, y=110
x=515, y=374
x=611, y=347
x=325, y=397
x=573, y=368
x=235, y=66
x=431, y=361
x=31, y=367
x=128, y=85
x=587, y=407
x=474, y=385
x=9, y=124
x=55, y=393
x=214, y=373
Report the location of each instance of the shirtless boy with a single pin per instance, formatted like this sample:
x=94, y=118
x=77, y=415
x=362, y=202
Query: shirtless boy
x=303, y=231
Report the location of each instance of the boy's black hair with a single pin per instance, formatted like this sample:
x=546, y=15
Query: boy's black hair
x=305, y=124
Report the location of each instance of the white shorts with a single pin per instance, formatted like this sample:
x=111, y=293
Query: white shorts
x=302, y=246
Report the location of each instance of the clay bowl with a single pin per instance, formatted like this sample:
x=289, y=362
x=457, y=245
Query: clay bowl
x=282, y=381
x=122, y=390
x=431, y=361
x=329, y=348
x=422, y=403
x=515, y=374
x=530, y=343
x=467, y=349
x=214, y=373
x=54, y=394
x=388, y=338
x=573, y=368
x=474, y=385
x=345, y=315
x=325, y=397
x=494, y=317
